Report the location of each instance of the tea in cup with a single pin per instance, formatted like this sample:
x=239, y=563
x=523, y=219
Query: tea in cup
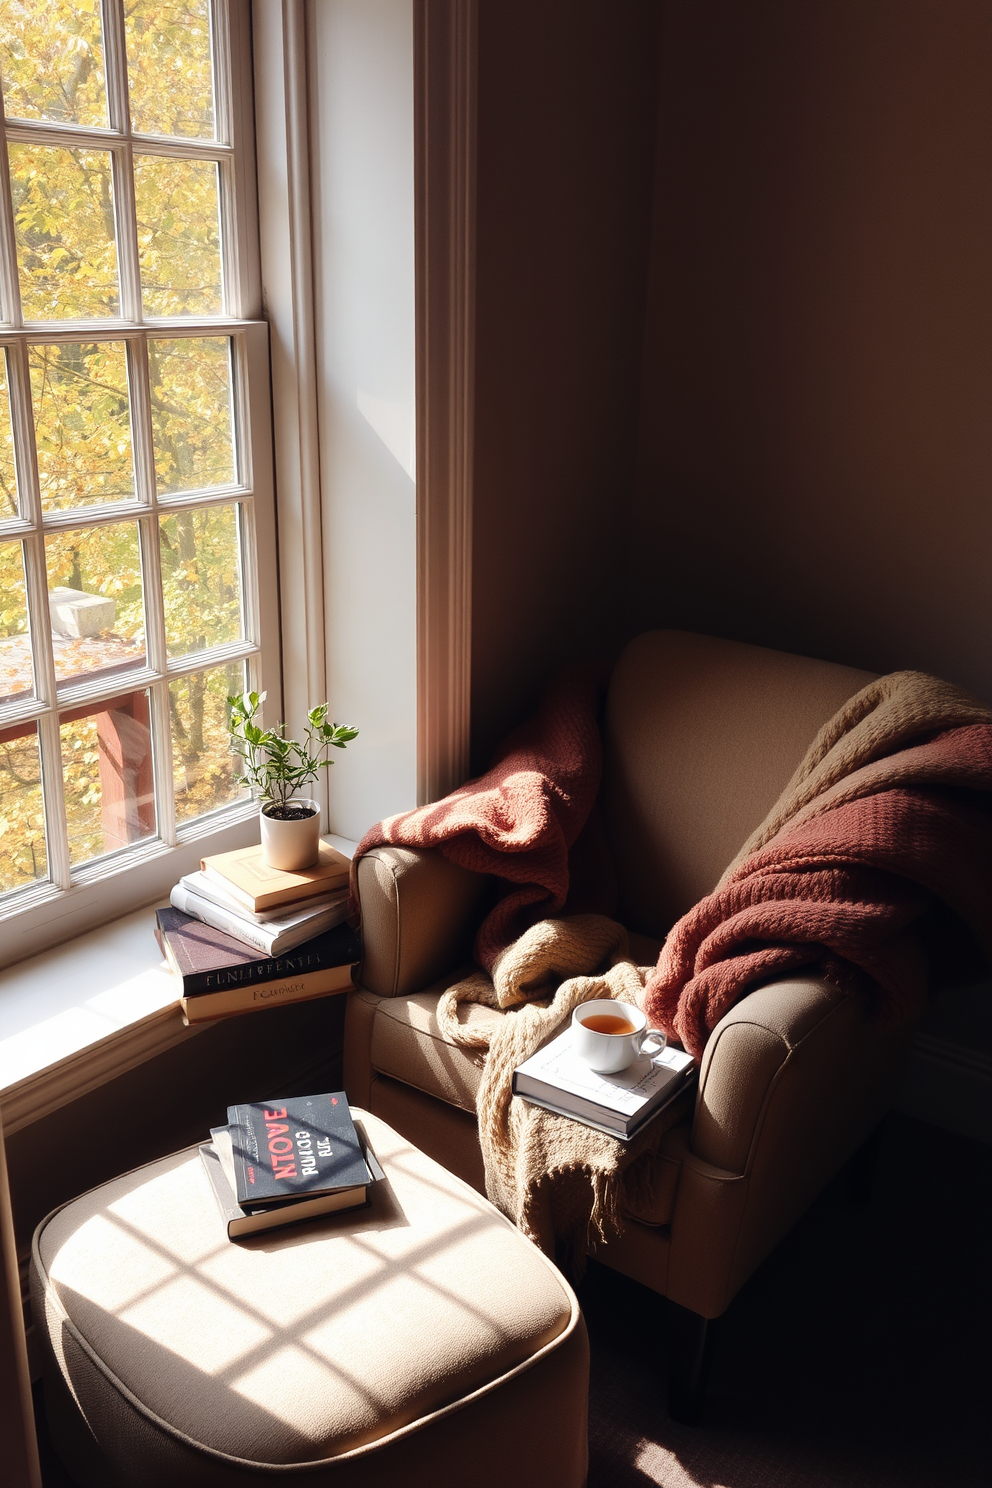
x=608, y=1036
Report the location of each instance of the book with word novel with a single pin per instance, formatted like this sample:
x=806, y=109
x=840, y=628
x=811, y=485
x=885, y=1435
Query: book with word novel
x=293, y=1149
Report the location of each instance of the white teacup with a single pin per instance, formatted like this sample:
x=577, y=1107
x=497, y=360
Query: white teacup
x=609, y=1035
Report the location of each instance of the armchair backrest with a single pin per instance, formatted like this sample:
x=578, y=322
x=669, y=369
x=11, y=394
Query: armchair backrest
x=702, y=736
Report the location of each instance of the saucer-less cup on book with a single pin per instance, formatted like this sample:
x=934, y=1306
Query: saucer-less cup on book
x=608, y=1036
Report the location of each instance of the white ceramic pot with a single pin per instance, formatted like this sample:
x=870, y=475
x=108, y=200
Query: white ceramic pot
x=294, y=844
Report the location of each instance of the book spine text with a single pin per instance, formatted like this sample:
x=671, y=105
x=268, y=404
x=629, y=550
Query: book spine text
x=205, y=1006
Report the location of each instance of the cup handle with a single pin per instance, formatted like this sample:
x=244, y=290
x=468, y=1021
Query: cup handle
x=652, y=1033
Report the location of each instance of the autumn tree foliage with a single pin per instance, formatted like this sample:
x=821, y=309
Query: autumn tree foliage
x=71, y=204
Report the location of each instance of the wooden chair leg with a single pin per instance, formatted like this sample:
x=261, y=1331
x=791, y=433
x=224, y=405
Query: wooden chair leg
x=691, y=1339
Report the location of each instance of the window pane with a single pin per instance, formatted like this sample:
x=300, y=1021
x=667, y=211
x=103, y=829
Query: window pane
x=201, y=578
x=169, y=71
x=23, y=857
x=94, y=595
x=51, y=54
x=8, y=478
x=192, y=421
x=202, y=763
x=82, y=424
x=16, y=670
x=64, y=220
x=178, y=235
x=107, y=770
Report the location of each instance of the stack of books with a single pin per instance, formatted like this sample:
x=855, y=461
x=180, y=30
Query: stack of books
x=241, y=935
x=282, y=1161
x=619, y=1104
x=267, y=908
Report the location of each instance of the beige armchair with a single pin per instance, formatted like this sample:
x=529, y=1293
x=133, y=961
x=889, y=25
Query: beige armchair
x=701, y=737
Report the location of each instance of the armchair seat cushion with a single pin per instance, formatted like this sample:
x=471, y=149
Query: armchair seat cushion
x=408, y=1045
x=406, y=1042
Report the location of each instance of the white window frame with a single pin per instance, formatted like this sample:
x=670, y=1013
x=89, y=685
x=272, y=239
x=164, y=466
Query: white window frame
x=73, y=900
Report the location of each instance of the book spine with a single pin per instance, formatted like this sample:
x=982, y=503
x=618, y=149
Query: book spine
x=209, y=1005
x=245, y=975
x=224, y=919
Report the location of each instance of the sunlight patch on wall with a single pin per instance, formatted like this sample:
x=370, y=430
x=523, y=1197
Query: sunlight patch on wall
x=393, y=422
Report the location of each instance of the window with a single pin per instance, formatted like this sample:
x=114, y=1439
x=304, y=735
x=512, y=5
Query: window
x=135, y=484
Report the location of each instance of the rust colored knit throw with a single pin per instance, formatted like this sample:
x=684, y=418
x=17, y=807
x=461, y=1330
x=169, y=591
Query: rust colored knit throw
x=521, y=821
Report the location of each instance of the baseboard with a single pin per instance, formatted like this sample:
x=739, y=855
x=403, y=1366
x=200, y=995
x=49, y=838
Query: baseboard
x=949, y=1086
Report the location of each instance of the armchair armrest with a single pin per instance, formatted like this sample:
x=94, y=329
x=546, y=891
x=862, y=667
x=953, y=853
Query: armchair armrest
x=746, y=1053
x=807, y=1036
x=793, y=1079
x=419, y=915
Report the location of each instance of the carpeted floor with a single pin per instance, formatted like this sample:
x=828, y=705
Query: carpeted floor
x=857, y=1357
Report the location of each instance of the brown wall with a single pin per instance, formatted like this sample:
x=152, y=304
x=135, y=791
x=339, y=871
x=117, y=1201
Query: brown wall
x=566, y=147
x=816, y=432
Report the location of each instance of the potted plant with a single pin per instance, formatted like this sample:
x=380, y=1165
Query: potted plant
x=275, y=769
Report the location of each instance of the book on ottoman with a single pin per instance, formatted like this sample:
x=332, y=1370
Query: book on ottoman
x=281, y=1162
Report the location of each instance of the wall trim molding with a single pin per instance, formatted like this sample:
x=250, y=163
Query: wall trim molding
x=20, y=1446
x=285, y=230
x=37, y=1095
x=446, y=84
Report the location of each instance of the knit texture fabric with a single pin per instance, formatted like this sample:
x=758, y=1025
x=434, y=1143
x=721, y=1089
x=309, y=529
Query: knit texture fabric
x=888, y=815
x=522, y=820
x=563, y=1184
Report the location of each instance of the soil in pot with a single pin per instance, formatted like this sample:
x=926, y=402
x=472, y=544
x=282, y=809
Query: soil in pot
x=292, y=811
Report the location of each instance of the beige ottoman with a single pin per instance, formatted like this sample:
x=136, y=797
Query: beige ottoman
x=419, y=1341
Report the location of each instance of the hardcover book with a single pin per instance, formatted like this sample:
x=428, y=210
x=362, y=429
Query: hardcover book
x=249, y=1220
x=295, y=1148
x=618, y=1104
x=249, y=879
x=206, y=960
x=208, y=1006
x=271, y=937
x=215, y=890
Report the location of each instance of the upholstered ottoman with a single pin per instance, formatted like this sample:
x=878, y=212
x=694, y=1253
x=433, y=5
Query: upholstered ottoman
x=419, y=1341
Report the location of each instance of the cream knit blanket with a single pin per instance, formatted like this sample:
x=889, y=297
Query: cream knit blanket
x=557, y=1179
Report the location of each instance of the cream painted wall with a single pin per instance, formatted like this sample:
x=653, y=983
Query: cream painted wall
x=815, y=450
x=361, y=103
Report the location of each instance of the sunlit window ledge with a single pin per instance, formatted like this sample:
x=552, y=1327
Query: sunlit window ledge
x=73, y=1017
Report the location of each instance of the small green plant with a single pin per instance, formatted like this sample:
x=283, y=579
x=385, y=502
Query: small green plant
x=274, y=768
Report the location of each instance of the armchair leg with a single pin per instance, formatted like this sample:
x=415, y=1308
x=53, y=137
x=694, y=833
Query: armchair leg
x=691, y=1339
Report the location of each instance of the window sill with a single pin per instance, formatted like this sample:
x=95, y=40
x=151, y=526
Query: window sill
x=75, y=1016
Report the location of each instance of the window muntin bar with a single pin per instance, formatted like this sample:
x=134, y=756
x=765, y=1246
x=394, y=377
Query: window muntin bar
x=171, y=352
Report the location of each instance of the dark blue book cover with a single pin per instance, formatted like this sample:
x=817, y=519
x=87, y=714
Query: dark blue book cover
x=295, y=1148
